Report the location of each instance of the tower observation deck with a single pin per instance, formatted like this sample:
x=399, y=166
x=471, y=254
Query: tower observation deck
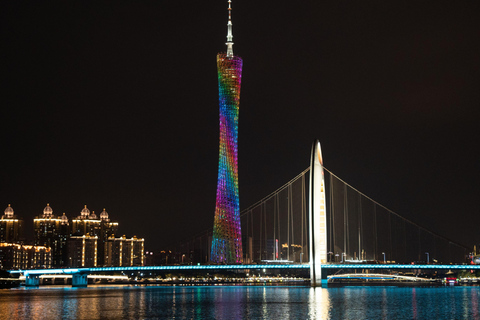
x=227, y=235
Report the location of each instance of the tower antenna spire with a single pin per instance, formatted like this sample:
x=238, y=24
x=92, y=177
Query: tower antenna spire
x=229, y=32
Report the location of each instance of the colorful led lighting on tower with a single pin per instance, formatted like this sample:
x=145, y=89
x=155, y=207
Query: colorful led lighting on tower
x=227, y=234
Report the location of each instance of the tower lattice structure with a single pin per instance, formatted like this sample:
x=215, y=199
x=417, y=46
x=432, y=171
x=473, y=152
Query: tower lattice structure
x=227, y=234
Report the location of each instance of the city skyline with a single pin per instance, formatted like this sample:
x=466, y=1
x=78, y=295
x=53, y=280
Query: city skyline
x=99, y=112
x=84, y=240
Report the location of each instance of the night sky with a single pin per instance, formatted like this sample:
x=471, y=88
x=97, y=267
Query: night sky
x=115, y=105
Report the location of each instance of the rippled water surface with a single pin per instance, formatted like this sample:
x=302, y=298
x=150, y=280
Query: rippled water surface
x=238, y=302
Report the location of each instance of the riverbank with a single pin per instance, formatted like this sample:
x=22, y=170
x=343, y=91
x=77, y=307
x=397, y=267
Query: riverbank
x=6, y=283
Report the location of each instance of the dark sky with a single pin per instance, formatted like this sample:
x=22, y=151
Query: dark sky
x=115, y=104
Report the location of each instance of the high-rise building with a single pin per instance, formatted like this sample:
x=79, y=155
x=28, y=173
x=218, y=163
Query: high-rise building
x=11, y=227
x=107, y=229
x=61, y=256
x=227, y=236
x=52, y=231
x=82, y=251
x=123, y=252
x=88, y=223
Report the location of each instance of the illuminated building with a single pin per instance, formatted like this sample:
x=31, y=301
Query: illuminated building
x=11, y=227
x=82, y=251
x=88, y=223
x=123, y=252
x=227, y=237
x=61, y=257
x=17, y=256
x=52, y=231
x=149, y=259
x=107, y=229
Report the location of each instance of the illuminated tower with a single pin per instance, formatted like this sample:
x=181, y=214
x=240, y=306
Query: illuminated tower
x=227, y=235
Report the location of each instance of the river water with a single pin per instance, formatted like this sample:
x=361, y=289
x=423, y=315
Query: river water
x=239, y=302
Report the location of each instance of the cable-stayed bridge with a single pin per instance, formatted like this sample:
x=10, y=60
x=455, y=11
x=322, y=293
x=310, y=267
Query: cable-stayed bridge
x=358, y=229
x=349, y=226
x=350, y=231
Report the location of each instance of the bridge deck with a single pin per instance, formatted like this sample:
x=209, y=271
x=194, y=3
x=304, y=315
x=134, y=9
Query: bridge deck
x=240, y=267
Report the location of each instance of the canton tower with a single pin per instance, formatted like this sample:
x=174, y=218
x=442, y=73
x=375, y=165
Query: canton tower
x=227, y=234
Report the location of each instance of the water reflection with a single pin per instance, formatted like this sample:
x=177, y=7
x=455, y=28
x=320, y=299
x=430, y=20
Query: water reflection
x=242, y=302
x=474, y=298
x=264, y=303
x=414, y=303
x=319, y=304
x=384, y=304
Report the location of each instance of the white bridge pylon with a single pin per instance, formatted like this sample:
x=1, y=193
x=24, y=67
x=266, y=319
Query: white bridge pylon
x=317, y=217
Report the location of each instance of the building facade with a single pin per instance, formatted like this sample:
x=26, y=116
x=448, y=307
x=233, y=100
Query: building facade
x=123, y=252
x=17, y=256
x=227, y=236
x=11, y=227
x=82, y=251
x=107, y=229
x=102, y=228
x=86, y=223
x=52, y=231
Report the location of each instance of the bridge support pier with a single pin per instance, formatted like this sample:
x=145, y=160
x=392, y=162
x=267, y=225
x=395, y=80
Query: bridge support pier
x=32, y=280
x=324, y=280
x=319, y=278
x=79, y=280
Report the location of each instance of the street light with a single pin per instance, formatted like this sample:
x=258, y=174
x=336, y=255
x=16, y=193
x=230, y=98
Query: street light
x=428, y=257
x=384, y=259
